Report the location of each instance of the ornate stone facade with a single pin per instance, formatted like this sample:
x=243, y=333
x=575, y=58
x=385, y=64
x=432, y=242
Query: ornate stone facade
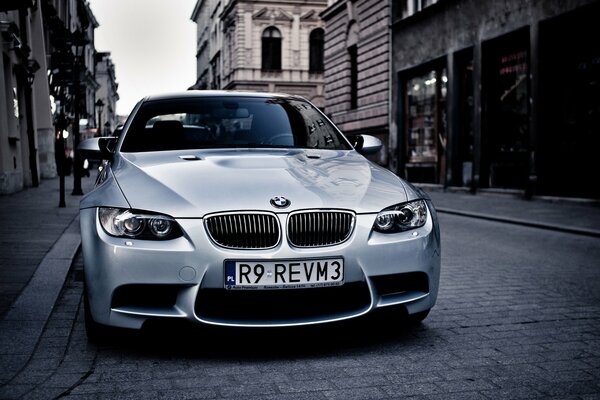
x=107, y=94
x=268, y=46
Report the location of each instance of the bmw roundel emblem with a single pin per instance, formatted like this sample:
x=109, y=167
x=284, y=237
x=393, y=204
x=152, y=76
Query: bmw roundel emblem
x=280, y=202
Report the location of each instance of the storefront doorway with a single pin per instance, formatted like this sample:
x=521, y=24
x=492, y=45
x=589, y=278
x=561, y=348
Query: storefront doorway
x=569, y=137
x=505, y=134
x=463, y=134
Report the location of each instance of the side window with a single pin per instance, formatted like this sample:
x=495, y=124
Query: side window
x=271, y=49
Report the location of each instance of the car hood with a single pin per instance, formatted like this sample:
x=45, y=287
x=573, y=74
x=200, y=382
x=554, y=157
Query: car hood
x=192, y=184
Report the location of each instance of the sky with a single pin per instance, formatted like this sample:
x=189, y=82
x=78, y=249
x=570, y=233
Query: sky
x=152, y=44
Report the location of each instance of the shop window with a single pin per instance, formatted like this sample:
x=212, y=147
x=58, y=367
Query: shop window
x=271, y=49
x=426, y=125
x=316, y=44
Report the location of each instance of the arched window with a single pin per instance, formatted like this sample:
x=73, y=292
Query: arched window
x=271, y=49
x=316, y=42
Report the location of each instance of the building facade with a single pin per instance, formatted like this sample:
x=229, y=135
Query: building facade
x=491, y=94
x=70, y=29
x=106, y=96
x=357, y=65
x=267, y=46
x=26, y=133
x=47, y=87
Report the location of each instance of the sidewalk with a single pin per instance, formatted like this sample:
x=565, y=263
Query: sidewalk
x=38, y=241
x=31, y=224
x=560, y=214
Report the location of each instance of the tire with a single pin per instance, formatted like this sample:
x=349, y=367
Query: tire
x=417, y=318
x=96, y=332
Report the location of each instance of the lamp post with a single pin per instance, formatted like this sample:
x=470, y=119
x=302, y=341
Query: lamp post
x=32, y=67
x=59, y=151
x=79, y=44
x=100, y=105
x=59, y=77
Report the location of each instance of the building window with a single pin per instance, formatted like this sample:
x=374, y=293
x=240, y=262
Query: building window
x=271, y=49
x=352, y=46
x=410, y=7
x=216, y=76
x=353, y=52
x=316, y=43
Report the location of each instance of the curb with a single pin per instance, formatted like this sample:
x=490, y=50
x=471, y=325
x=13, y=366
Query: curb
x=522, y=222
x=23, y=324
x=513, y=193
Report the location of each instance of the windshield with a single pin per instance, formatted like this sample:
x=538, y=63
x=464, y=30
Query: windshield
x=226, y=122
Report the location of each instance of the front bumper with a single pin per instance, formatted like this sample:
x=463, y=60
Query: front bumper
x=129, y=281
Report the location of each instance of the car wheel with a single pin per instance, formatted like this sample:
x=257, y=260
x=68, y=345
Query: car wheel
x=95, y=332
x=417, y=318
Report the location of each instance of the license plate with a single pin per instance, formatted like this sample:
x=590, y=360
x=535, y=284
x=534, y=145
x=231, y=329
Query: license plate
x=284, y=274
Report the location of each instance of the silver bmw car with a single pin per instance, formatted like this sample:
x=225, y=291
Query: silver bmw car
x=249, y=210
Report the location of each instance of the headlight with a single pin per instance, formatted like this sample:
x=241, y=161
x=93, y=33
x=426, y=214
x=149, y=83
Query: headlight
x=401, y=217
x=131, y=224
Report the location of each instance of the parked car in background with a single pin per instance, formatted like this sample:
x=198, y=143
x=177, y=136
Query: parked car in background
x=249, y=210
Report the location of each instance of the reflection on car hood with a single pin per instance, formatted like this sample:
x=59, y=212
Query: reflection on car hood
x=199, y=182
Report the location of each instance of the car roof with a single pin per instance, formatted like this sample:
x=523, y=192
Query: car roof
x=216, y=93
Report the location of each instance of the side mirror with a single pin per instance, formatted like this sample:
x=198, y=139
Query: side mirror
x=367, y=144
x=101, y=148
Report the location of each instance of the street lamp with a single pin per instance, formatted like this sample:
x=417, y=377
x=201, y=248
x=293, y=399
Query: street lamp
x=100, y=105
x=79, y=43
